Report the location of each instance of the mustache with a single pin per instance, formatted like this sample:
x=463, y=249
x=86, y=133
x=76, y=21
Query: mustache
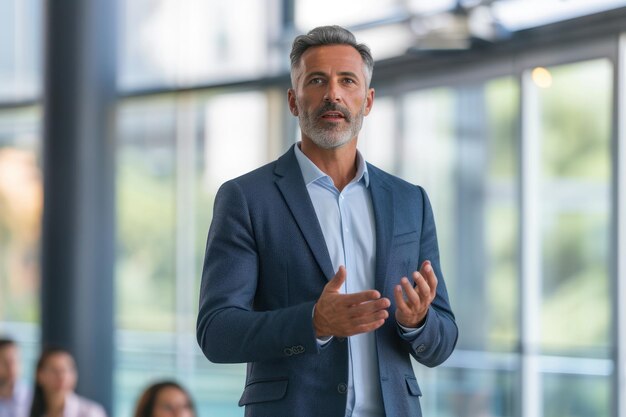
x=334, y=107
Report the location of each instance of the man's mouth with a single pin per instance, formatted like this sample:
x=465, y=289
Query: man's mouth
x=332, y=115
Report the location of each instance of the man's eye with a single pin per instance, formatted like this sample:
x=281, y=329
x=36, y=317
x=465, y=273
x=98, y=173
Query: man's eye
x=316, y=81
x=349, y=81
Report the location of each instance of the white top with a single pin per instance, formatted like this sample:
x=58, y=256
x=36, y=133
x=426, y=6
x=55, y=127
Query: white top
x=77, y=406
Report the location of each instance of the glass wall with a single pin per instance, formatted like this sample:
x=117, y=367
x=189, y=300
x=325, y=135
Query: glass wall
x=517, y=165
x=574, y=116
x=174, y=152
x=21, y=204
x=460, y=143
x=171, y=43
x=21, y=41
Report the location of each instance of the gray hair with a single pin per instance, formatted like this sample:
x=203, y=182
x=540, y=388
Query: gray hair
x=330, y=35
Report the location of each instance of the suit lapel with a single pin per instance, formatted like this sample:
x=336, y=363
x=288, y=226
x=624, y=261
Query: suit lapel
x=382, y=202
x=291, y=185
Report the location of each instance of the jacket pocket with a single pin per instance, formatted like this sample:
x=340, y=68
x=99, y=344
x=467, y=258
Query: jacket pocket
x=263, y=390
x=413, y=387
x=405, y=238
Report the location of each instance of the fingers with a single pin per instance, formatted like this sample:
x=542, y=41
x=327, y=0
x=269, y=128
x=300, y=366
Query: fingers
x=366, y=328
x=413, y=300
x=401, y=304
x=335, y=284
x=338, y=318
x=421, y=285
x=428, y=273
x=414, y=295
x=371, y=308
x=359, y=298
x=338, y=314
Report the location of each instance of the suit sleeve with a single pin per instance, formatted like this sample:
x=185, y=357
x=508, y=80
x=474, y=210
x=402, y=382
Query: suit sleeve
x=437, y=338
x=229, y=330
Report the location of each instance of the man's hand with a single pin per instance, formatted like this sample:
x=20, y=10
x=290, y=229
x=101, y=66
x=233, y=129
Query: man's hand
x=412, y=302
x=345, y=315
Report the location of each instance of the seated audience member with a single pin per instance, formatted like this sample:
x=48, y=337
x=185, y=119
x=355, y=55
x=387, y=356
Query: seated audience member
x=165, y=399
x=55, y=380
x=14, y=396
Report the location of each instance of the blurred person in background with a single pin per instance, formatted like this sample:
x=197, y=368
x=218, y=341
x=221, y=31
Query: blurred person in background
x=55, y=381
x=14, y=396
x=165, y=399
x=322, y=271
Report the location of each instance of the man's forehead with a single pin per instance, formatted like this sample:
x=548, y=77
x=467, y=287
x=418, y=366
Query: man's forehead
x=339, y=57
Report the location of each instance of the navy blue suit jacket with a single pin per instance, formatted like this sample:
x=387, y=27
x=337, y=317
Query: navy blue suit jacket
x=266, y=264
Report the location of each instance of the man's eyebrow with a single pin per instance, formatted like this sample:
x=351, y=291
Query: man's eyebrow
x=348, y=73
x=316, y=74
x=323, y=74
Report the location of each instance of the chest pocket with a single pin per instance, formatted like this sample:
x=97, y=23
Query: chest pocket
x=405, y=238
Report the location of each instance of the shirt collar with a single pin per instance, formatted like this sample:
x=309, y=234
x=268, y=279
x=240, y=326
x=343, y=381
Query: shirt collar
x=311, y=173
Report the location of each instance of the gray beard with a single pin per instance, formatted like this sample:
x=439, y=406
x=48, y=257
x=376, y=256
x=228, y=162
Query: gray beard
x=331, y=137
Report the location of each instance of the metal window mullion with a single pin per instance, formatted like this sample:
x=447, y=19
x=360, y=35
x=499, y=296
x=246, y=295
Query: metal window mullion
x=530, y=232
x=619, y=216
x=185, y=225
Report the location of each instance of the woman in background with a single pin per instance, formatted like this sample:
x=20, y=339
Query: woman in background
x=165, y=399
x=55, y=380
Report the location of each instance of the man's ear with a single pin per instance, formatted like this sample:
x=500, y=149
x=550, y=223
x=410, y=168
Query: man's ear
x=369, y=101
x=293, y=103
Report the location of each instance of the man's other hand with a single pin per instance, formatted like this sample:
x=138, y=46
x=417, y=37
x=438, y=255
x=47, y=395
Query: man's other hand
x=343, y=315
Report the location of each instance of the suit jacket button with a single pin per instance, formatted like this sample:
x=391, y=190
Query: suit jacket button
x=421, y=348
x=342, y=388
x=288, y=351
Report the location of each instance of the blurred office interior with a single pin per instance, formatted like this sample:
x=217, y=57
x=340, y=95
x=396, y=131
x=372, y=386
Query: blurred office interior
x=119, y=121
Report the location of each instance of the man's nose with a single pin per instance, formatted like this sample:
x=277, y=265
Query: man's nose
x=332, y=93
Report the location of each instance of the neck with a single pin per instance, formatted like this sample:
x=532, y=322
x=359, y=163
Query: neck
x=6, y=389
x=55, y=403
x=339, y=163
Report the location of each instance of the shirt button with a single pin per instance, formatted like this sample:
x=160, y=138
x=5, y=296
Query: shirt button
x=342, y=388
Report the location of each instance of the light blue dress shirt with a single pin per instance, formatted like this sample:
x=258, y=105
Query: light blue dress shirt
x=18, y=405
x=347, y=222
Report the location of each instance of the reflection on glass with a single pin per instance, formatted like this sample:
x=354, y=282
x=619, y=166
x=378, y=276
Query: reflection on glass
x=235, y=141
x=311, y=13
x=378, y=137
x=146, y=236
x=152, y=343
x=20, y=49
x=460, y=144
x=21, y=204
x=453, y=392
x=575, y=128
x=182, y=43
x=427, y=158
x=576, y=395
x=501, y=214
x=235, y=138
x=229, y=148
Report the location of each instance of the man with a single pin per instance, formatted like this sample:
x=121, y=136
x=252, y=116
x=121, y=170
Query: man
x=14, y=399
x=307, y=262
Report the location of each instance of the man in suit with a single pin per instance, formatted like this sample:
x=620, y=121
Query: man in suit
x=321, y=271
x=14, y=396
